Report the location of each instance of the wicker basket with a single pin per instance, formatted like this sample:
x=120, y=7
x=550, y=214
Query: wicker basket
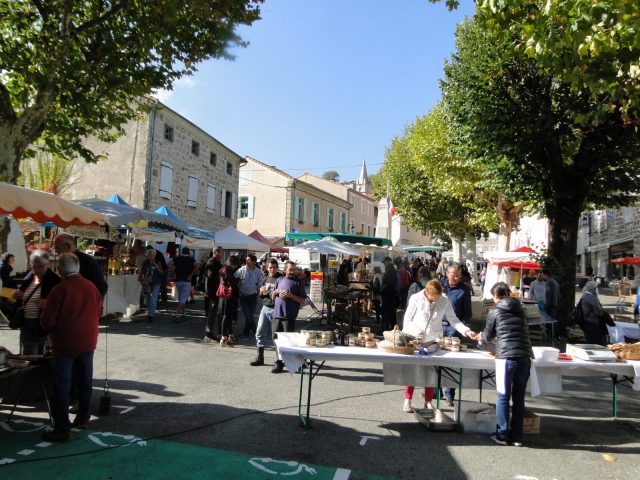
x=626, y=351
x=400, y=350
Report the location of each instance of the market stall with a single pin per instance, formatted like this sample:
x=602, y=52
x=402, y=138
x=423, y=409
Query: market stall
x=232, y=239
x=546, y=375
x=500, y=265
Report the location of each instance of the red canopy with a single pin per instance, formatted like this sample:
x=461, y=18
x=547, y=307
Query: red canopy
x=256, y=235
x=521, y=265
x=626, y=261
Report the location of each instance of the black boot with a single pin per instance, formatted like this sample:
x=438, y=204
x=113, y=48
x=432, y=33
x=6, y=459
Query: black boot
x=278, y=367
x=259, y=360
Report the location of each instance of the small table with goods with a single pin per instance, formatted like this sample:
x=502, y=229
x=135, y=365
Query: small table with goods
x=24, y=377
x=343, y=304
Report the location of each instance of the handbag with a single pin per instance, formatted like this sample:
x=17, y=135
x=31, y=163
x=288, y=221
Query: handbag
x=17, y=319
x=607, y=319
x=224, y=292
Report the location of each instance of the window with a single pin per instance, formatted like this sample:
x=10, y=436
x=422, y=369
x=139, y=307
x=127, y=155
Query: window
x=362, y=207
x=166, y=179
x=195, y=147
x=229, y=168
x=211, y=198
x=369, y=230
x=245, y=206
x=192, y=194
x=330, y=214
x=213, y=159
x=300, y=209
x=352, y=199
x=168, y=132
x=343, y=222
x=226, y=207
x=315, y=214
x=369, y=209
x=362, y=229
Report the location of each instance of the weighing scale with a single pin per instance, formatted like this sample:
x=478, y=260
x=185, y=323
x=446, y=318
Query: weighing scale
x=592, y=353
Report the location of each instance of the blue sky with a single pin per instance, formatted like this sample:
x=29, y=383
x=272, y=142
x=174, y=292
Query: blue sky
x=323, y=84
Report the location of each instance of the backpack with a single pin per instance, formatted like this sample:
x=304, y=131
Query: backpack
x=577, y=315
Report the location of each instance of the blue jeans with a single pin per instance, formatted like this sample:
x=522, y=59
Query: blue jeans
x=449, y=331
x=264, y=325
x=81, y=364
x=152, y=299
x=183, y=289
x=516, y=378
x=248, y=307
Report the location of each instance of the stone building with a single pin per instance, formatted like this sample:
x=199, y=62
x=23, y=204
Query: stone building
x=274, y=203
x=605, y=235
x=163, y=158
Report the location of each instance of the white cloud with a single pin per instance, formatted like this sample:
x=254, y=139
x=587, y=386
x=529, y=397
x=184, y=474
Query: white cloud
x=185, y=82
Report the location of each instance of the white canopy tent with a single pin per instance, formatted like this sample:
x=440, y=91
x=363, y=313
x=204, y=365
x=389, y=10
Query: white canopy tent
x=329, y=245
x=500, y=274
x=232, y=239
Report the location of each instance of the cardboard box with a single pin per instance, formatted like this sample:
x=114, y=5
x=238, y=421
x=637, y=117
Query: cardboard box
x=531, y=423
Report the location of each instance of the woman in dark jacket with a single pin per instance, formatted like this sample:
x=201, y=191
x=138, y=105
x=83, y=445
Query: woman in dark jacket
x=6, y=267
x=229, y=305
x=33, y=292
x=508, y=324
x=593, y=325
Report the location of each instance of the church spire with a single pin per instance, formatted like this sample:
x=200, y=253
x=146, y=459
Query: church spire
x=363, y=185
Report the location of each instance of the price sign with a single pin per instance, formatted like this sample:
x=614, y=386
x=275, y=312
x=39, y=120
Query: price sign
x=317, y=280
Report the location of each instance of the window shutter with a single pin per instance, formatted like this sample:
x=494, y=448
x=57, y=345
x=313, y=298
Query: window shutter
x=233, y=205
x=192, y=194
x=251, y=201
x=223, y=203
x=304, y=209
x=211, y=198
x=166, y=180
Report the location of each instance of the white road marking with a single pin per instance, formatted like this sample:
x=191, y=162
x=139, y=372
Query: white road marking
x=26, y=452
x=124, y=408
x=364, y=438
x=6, y=461
x=43, y=444
x=342, y=474
x=524, y=477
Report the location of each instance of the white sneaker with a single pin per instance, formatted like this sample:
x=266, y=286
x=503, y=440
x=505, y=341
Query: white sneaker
x=407, y=406
x=429, y=405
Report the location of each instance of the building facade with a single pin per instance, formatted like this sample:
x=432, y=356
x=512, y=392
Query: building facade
x=274, y=203
x=363, y=211
x=164, y=159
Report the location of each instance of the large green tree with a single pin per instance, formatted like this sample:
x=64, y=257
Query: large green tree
x=69, y=69
x=592, y=46
x=525, y=126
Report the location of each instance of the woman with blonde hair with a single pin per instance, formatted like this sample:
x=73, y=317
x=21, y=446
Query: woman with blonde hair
x=423, y=318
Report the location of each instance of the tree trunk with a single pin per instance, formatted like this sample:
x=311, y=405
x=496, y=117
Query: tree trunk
x=472, y=257
x=456, y=249
x=563, y=233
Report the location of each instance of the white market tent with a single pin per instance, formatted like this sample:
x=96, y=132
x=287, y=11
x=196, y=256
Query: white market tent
x=232, y=239
x=329, y=245
x=500, y=274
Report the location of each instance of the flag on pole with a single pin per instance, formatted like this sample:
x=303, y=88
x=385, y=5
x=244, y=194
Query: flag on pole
x=390, y=208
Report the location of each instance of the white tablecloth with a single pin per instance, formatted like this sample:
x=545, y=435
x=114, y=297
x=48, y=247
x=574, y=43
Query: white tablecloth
x=617, y=333
x=545, y=375
x=124, y=290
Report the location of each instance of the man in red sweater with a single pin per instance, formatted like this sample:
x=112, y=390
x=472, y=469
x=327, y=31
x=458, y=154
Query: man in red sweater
x=71, y=317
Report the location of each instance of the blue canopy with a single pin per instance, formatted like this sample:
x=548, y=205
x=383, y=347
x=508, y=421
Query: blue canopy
x=118, y=214
x=164, y=210
x=115, y=198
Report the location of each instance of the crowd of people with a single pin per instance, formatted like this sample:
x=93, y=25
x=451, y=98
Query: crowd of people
x=62, y=310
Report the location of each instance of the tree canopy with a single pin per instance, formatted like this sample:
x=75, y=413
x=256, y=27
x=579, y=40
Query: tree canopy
x=331, y=175
x=592, y=46
x=73, y=69
x=525, y=125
